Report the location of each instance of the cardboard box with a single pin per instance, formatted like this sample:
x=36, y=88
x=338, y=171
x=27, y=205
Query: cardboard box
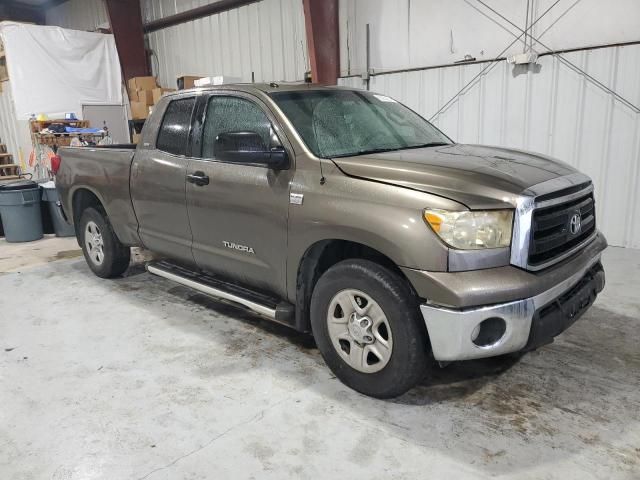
x=142, y=83
x=139, y=110
x=144, y=96
x=159, y=92
x=187, y=81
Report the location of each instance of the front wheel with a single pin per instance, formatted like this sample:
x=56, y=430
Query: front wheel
x=104, y=253
x=367, y=325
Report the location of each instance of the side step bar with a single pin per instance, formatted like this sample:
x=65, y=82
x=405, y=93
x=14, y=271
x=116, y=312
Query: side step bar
x=280, y=312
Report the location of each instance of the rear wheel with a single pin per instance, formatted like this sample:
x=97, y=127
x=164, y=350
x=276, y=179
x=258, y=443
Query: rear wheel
x=367, y=325
x=104, y=253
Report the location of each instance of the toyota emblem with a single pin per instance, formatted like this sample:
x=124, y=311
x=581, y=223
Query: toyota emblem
x=575, y=224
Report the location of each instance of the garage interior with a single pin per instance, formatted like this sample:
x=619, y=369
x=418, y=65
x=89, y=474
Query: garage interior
x=138, y=377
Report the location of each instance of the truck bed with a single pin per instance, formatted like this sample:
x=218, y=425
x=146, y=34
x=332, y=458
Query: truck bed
x=105, y=173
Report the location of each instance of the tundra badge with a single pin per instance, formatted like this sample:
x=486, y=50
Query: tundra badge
x=241, y=248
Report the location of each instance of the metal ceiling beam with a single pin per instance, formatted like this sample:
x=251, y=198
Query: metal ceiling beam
x=125, y=18
x=21, y=12
x=321, y=24
x=195, y=13
x=53, y=3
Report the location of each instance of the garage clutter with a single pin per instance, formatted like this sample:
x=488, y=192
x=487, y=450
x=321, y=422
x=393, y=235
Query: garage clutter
x=144, y=93
x=29, y=209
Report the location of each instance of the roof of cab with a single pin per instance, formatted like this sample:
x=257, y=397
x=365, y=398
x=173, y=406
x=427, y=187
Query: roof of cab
x=263, y=87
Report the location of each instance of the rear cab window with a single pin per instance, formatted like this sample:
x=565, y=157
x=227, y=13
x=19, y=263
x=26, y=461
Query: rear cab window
x=173, y=135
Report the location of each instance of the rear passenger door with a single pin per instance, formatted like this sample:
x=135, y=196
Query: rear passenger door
x=158, y=184
x=239, y=217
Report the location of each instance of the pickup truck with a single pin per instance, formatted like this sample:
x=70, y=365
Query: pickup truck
x=343, y=213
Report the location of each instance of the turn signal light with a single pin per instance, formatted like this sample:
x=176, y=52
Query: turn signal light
x=434, y=220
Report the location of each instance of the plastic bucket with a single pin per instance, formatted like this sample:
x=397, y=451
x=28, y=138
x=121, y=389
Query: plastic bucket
x=60, y=225
x=20, y=211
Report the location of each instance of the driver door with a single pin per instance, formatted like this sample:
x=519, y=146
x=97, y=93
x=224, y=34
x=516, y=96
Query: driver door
x=238, y=208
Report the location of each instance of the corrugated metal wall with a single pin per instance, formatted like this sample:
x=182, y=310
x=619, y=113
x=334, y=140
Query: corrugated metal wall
x=14, y=133
x=8, y=126
x=266, y=38
x=419, y=33
x=78, y=14
x=550, y=108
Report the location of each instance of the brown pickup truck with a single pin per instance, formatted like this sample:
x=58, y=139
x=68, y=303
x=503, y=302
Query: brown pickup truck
x=344, y=213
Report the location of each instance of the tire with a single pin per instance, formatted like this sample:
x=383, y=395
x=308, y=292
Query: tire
x=389, y=375
x=112, y=260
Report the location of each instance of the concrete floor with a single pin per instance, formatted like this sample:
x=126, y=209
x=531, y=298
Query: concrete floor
x=138, y=378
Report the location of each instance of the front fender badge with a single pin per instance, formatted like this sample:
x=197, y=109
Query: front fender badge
x=296, y=198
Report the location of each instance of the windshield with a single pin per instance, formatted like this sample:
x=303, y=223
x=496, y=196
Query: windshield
x=341, y=123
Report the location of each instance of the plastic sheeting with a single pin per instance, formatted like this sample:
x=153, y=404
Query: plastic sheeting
x=54, y=70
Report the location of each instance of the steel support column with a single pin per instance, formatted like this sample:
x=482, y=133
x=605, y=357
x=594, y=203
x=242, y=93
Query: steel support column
x=125, y=18
x=321, y=24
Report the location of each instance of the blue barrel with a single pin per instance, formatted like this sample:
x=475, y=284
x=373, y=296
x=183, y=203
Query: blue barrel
x=20, y=211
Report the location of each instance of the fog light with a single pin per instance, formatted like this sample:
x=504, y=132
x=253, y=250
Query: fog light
x=488, y=332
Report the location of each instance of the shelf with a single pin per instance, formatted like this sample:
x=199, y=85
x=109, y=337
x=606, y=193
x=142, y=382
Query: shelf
x=70, y=134
x=9, y=165
x=38, y=125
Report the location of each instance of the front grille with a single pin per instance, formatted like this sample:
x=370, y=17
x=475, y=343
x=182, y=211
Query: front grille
x=551, y=234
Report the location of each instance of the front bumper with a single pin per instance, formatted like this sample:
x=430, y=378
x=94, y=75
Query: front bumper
x=524, y=324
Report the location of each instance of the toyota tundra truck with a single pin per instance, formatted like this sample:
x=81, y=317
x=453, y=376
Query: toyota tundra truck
x=343, y=213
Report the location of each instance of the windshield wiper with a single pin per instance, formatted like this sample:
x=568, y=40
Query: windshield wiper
x=425, y=145
x=395, y=149
x=365, y=152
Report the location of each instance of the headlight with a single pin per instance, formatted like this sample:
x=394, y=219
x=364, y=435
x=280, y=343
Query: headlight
x=472, y=230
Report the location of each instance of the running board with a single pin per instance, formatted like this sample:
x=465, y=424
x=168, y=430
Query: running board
x=259, y=303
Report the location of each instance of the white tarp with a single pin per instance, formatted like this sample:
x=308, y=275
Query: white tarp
x=56, y=70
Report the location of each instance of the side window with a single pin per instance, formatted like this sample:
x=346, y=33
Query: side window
x=232, y=115
x=174, y=131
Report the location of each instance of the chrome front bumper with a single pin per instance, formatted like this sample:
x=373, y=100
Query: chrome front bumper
x=451, y=331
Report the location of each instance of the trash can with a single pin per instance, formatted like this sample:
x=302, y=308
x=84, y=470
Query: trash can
x=60, y=225
x=20, y=211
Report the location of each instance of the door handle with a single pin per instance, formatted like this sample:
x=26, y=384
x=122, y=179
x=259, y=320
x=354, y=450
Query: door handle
x=198, y=178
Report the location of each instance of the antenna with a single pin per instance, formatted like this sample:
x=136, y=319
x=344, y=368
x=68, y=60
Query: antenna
x=322, y=179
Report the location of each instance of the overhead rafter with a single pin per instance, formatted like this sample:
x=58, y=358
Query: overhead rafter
x=53, y=3
x=22, y=12
x=195, y=13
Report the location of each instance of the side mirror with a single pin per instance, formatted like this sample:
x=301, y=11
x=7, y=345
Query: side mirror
x=249, y=148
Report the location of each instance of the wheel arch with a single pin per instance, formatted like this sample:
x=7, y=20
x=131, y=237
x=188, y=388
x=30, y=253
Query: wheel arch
x=322, y=255
x=81, y=199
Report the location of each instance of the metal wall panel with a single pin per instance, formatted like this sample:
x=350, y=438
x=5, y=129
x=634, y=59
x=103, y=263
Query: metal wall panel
x=13, y=133
x=422, y=33
x=78, y=14
x=8, y=128
x=550, y=108
x=266, y=38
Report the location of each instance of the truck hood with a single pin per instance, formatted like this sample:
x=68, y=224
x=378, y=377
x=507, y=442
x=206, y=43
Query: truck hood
x=474, y=175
